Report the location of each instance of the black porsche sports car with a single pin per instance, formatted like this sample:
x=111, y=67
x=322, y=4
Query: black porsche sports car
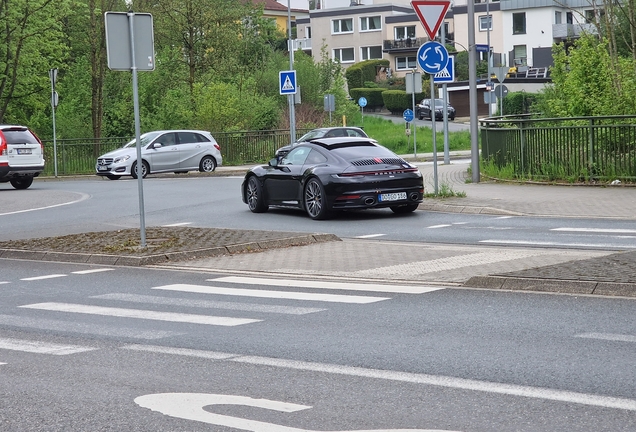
x=330, y=174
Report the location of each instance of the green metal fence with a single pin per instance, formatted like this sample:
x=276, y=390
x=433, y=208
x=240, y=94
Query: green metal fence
x=580, y=148
x=78, y=156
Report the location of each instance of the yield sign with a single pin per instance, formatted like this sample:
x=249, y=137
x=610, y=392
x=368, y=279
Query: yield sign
x=431, y=14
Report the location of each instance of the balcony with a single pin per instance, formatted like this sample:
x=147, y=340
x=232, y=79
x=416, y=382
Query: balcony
x=303, y=44
x=565, y=31
x=403, y=45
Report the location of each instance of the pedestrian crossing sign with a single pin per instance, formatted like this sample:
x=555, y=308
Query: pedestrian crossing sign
x=287, y=81
x=447, y=74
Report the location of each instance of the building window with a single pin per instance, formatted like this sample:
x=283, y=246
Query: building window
x=370, y=23
x=519, y=23
x=308, y=32
x=345, y=55
x=557, y=17
x=405, y=63
x=485, y=23
x=569, y=18
x=590, y=16
x=521, y=55
x=342, y=26
x=371, y=53
x=405, y=32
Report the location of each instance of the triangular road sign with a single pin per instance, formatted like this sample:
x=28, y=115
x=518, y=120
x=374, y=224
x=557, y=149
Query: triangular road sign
x=431, y=14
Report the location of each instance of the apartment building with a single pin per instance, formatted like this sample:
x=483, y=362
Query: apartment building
x=520, y=32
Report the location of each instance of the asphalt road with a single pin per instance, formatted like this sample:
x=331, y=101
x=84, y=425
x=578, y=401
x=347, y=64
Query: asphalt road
x=98, y=348
x=52, y=208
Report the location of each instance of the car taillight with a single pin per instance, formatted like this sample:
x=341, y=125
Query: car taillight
x=3, y=145
x=39, y=140
x=218, y=147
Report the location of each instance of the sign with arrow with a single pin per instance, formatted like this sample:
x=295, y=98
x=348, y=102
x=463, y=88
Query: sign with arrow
x=432, y=57
x=431, y=14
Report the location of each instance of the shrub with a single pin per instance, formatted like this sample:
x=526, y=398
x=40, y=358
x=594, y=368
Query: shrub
x=359, y=73
x=397, y=101
x=373, y=96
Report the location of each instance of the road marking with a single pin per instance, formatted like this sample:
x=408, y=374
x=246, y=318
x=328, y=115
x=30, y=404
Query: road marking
x=51, y=276
x=608, y=336
x=597, y=230
x=178, y=224
x=504, y=217
x=141, y=314
x=245, y=307
x=444, y=264
x=37, y=347
x=415, y=378
x=334, y=298
x=84, y=328
x=345, y=286
x=99, y=270
x=3, y=282
x=438, y=226
x=583, y=245
x=370, y=236
x=82, y=198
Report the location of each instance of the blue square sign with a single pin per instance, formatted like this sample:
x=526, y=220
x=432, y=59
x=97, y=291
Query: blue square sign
x=447, y=74
x=287, y=81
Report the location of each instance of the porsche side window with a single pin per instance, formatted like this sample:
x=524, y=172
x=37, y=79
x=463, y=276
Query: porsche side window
x=296, y=157
x=315, y=158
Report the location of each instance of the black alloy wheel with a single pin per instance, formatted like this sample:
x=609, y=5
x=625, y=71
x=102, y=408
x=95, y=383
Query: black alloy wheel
x=144, y=169
x=21, y=182
x=207, y=164
x=315, y=200
x=255, y=198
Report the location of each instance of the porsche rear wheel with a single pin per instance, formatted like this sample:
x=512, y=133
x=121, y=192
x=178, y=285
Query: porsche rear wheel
x=255, y=198
x=315, y=200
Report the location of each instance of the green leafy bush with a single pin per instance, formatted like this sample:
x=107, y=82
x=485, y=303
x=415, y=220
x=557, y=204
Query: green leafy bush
x=397, y=101
x=372, y=95
x=359, y=73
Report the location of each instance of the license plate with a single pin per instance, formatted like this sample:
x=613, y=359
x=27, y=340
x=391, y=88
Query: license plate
x=102, y=168
x=392, y=196
x=24, y=151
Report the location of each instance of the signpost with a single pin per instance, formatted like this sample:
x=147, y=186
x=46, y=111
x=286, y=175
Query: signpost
x=432, y=57
x=362, y=102
x=130, y=46
x=54, y=101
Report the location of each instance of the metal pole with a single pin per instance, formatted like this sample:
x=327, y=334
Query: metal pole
x=434, y=133
x=53, y=75
x=290, y=98
x=445, y=102
x=140, y=186
x=414, y=124
x=488, y=17
x=472, y=92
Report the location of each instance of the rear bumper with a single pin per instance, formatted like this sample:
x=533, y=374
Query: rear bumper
x=8, y=172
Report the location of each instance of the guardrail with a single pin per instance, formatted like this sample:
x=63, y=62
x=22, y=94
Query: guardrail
x=78, y=156
x=577, y=148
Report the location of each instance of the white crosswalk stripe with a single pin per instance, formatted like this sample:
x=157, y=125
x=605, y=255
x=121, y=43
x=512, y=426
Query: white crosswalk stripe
x=345, y=286
x=290, y=295
x=248, y=307
x=83, y=328
x=141, y=314
x=39, y=347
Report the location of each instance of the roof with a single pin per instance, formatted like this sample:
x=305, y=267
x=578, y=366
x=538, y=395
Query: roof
x=273, y=5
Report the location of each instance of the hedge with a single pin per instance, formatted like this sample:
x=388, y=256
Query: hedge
x=358, y=73
x=397, y=101
x=372, y=95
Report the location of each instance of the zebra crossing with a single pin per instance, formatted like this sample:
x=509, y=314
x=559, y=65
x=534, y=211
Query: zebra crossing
x=217, y=293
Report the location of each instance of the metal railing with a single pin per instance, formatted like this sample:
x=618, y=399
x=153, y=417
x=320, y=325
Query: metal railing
x=78, y=156
x=577, y=148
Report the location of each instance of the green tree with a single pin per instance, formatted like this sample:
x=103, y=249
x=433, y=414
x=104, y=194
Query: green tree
x=31, y=42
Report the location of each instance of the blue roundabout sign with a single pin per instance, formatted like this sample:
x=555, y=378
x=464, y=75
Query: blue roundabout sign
x=432, y=57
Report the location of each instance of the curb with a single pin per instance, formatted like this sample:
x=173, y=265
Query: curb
x=552, y=285
x=138, y=260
